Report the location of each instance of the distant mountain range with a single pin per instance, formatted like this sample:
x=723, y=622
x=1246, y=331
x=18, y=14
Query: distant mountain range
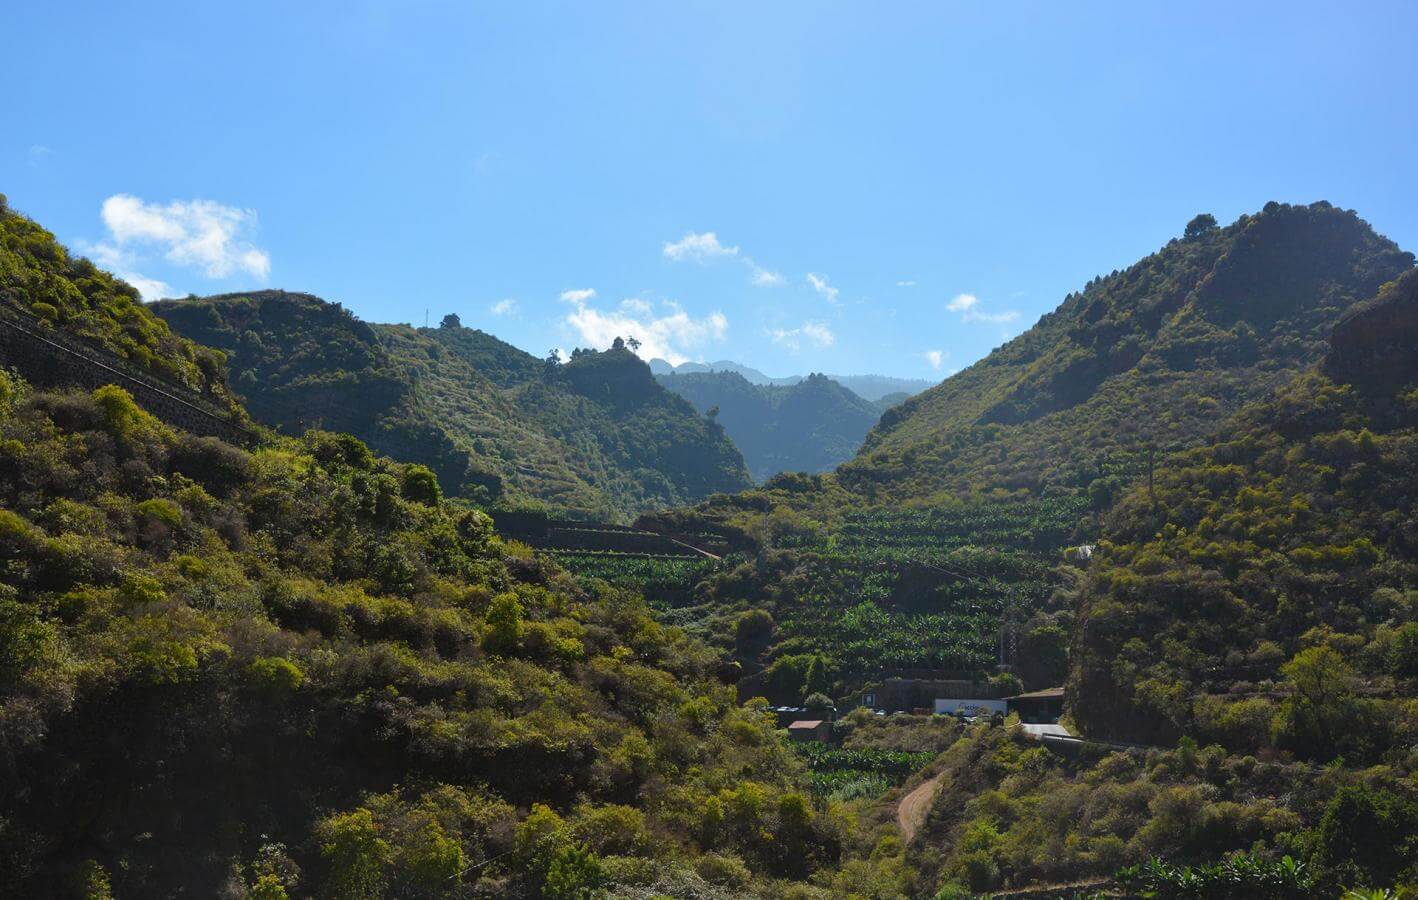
x=808, y=425
x=868, y=387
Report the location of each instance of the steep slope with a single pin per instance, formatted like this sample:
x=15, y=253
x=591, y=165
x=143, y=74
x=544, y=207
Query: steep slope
x=298, y=671
x=810, y=426
x=1253, y=613
x=1291, y=534
x=595, y=436
x=1158, y=354
x=41, y=280
x=295, y=670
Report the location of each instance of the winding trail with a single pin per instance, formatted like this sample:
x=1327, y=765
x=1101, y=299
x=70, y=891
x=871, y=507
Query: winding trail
x=911, y=811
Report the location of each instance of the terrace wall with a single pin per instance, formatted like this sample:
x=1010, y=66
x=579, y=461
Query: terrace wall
x=46, y=358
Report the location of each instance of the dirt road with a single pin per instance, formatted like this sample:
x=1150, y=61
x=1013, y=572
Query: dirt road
x=911, y=811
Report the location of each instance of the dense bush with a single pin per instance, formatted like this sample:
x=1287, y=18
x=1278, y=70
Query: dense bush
x=299, y=667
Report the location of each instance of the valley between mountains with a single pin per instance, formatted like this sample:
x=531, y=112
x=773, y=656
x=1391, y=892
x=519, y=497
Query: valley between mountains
x=449, y=619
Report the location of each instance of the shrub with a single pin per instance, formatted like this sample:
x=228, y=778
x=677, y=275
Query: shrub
x=421, y=485
x=724, y=869
x=752, y=625
x=356, y=854
x=160, y=510
x=275, y=675
x=611, y=830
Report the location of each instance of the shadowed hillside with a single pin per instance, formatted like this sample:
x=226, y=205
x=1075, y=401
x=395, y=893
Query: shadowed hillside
x=810, y=426
x=594, y=436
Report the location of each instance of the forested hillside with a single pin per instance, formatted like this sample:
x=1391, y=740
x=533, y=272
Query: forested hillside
x=1156, y=354
x=1255, y=610
x=810, y=426
x=39, y=278
x=301, y=670
x=1283, y=549
x=296, y=669
x=593, y=436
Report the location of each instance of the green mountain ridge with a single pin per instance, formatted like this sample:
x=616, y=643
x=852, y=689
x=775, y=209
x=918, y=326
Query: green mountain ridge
x=809, y=426
x=594, y=437
x=1291, y=530
x=1156, y=354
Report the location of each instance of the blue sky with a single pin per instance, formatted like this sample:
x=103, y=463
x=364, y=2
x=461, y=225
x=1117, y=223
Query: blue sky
x=832, y=187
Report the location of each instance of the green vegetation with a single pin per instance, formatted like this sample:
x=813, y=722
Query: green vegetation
x=887, y=590
x=299, y=670
x=303, y=670
x=810, y=426
x=1239, y=875
x=663, y=581
x=849, y=774
x=1279, y=558
x=40, y=278
x=1157, y=354
x=1010, y=812
x=594, y=437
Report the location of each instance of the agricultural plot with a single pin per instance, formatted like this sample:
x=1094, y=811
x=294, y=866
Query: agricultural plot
x=664, y=580
x=927, y=589
x=856, y=774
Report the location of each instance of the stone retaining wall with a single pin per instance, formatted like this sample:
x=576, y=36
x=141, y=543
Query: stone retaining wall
x=48, y=359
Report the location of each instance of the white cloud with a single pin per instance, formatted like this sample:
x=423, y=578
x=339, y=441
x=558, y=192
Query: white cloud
x=905, y=284
x=149, y=288
x=819, y=284
x=578, y=295
x=504, y=307
x=968, y=307
x=935, y=358
x=38, y=154
x=199, y=233
x=669, y=336
x=698, y=248
x=763, y=277
x=705, y=246
x=813, y=332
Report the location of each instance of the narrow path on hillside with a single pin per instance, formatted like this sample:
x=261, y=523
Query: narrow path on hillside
x=911, y=811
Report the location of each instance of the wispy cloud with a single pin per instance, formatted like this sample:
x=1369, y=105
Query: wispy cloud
x=765, y=278
x=698, y=248
x=968, y=306
x=935, y=358
x=578, y=295
x=905, y=284
x=703, y=247
x=820, y=284
x=38, y=155
x=672, y=335
x=816, y=333
x=504, y=307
